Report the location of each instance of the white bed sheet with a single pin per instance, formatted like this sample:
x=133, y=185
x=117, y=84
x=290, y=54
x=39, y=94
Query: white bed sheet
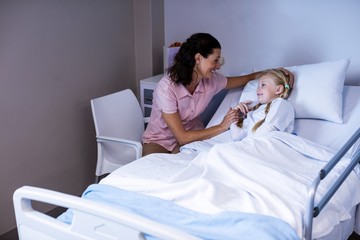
x=157, y=167
x=213, y=181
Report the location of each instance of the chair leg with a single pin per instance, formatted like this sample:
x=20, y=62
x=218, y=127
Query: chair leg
x=97, y=179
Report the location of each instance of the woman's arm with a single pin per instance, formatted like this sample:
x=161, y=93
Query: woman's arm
x=240, y=81
x=186, y=136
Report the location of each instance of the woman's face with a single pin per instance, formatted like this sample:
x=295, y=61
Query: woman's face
x=267, y=90
x=205, y=67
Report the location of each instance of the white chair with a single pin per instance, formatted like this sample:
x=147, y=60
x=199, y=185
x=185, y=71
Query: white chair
x=119, y=125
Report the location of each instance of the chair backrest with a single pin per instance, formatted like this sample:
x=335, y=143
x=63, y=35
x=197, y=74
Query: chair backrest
x=118, y=115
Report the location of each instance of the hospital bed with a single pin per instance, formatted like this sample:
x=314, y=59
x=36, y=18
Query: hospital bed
x=304, y=185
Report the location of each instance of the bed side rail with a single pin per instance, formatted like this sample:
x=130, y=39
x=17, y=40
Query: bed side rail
x=313, y=211
x=91, y=220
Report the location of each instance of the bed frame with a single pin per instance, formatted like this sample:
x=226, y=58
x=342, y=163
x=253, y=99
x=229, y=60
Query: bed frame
x=313, y=211
x=93, y=220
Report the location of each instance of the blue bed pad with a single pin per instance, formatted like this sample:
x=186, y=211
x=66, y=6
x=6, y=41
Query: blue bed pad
x=225, y=225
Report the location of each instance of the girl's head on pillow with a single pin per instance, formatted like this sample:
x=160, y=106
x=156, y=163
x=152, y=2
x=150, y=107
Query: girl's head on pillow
x=273, y=83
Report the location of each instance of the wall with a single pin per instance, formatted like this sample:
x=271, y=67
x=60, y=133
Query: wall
x=149, y=37
x=270, y=33
x=54, y=57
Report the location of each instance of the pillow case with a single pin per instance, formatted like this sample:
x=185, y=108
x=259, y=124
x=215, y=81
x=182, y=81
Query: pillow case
x=317, y=92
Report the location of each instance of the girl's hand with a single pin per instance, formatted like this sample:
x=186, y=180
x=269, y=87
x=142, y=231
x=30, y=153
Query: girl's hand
x=243, y=107
x=231, y=116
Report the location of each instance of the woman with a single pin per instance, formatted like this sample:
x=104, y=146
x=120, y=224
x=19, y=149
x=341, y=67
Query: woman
x=182, y=95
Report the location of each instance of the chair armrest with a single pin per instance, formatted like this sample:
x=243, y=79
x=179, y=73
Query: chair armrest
x=134, y=144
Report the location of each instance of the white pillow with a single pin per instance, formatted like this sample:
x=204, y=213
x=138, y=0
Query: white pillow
x=317, y=92
x=249, y=92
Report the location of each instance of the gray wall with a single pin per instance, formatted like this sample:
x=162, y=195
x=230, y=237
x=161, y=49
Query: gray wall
x=270, y=33
x=56, y=55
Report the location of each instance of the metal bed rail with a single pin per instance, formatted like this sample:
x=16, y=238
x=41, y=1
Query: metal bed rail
x=313, y=211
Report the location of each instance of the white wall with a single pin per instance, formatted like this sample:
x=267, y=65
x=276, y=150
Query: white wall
x=54, y=57
x=270, y=33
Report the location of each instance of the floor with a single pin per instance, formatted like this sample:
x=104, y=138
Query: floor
x=354, y=236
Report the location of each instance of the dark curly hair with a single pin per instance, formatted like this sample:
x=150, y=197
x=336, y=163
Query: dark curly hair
x=184, y=62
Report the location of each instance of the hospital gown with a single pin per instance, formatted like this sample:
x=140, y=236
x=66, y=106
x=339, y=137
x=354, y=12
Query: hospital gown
x=280, y=117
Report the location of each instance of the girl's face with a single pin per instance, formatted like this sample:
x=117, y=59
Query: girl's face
x=205, y=67
x=268, y=90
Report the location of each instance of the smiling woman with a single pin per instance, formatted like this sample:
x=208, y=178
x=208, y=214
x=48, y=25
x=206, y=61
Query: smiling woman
x=183, y=94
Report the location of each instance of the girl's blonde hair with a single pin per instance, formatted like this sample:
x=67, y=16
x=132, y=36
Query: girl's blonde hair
x=279, y=78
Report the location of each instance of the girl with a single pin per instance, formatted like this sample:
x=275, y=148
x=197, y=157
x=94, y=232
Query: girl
x=272, y=113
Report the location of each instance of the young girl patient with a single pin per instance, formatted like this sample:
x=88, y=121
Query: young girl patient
x=272, y=113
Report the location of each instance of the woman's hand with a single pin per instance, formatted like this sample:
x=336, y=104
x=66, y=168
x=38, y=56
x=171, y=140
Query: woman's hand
x=243, y=107
x=231, y=116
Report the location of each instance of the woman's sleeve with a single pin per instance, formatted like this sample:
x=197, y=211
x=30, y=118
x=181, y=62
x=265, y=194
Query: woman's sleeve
x=165, y=97
x=220, y=82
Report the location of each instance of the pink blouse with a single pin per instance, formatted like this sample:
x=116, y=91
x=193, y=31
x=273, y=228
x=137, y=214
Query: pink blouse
x=169, y=97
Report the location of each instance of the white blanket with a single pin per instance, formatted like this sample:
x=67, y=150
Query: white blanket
x=268, y=175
